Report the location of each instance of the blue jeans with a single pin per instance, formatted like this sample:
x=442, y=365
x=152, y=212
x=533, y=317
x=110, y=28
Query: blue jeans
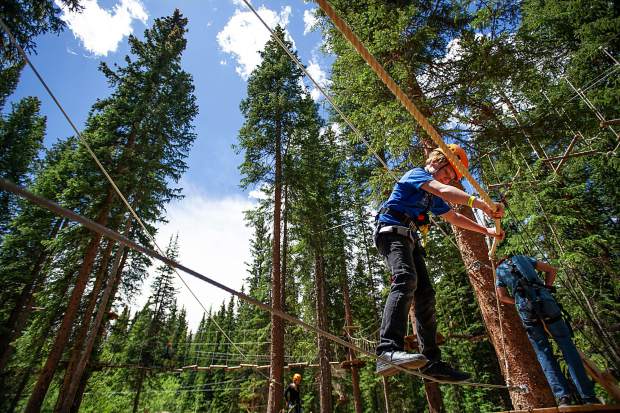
x=410, y=282
x=561, y=334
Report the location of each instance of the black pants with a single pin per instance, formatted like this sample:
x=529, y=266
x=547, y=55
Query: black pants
x=410, y=282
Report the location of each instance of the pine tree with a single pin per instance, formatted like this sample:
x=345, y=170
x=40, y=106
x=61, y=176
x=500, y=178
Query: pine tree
x=21, y=137
x=271, y=111
x=149, y=116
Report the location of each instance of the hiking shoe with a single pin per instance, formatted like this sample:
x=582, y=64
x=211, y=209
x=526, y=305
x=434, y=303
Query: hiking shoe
x=443, y=371
x=400, y=358
x=564, y=401
x=591, y=400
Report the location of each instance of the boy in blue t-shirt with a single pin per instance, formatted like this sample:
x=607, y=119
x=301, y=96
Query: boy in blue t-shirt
x=418, y=192
x=517, y=283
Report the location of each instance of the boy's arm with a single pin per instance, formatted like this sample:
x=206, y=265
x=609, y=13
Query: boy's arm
x=462, y=221
x=456, y=196
x=504, y=297
x=550, y=272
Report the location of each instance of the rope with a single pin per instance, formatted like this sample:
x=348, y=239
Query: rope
x=88, y=148
x=113, y=235
x=344, y=28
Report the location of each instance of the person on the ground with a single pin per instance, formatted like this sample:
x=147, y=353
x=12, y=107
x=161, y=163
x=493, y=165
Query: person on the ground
x=518, y=283
x=418, y=192
x=292, y=395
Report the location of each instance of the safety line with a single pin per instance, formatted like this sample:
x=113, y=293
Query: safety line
x=113, y=235
x=105, y=172
x=385, y=77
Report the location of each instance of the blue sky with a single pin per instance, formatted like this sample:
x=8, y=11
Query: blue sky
x=223, y=39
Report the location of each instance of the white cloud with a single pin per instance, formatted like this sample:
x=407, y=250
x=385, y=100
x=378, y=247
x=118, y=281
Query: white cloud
x=213, y=240
x=310, y=20
x=260, y=193
x=70, y=51
x=244, y=36
x=100, y=30
x=320, y=76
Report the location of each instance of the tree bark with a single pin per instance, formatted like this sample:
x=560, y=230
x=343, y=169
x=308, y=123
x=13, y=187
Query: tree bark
x=348, y=320
x=99, y=328
x=81, y=353
x=70, y=371
x=64, y=331
x=276, y=390
x=325, y=377
x=517, y=358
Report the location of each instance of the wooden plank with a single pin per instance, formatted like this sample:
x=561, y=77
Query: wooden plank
x=572, y=409
x=572, y=155
x=609, y=122
x=567, y=152
x=605, y=379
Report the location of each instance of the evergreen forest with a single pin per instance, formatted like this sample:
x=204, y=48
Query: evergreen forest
x=529, y=88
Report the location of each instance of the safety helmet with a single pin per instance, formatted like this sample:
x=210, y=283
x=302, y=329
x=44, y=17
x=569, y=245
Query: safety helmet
x=296, y=377
x=459, y=153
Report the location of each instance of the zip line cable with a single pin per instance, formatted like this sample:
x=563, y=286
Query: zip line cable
x=88, y=148
x=113, y=235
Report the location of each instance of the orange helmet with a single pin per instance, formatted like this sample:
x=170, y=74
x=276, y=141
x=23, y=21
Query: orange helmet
x=459, y=153
x=296, y=377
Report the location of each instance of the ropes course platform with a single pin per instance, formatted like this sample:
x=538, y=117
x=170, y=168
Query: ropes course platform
x=572, y=409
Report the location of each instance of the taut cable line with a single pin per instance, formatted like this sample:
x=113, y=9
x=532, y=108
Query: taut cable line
x=88, y=148
x=113, y=235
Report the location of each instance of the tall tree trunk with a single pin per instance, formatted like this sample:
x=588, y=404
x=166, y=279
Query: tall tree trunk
x=276, y=390
x=325, y=377
x=284, y=248
x=514, y=352
x=348, y=320
x=64, y=331
x=136, y=399
x=23, y=307
x=99, y=326
x=84, y=327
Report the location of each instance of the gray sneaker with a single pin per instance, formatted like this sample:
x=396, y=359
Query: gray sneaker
x=401, y=359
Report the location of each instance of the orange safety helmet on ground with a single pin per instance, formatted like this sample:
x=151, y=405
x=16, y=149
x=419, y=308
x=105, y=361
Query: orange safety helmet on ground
x=459, y=153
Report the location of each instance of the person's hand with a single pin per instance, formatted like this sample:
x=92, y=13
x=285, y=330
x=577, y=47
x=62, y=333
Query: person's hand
x=495, y=214
x=492, y=232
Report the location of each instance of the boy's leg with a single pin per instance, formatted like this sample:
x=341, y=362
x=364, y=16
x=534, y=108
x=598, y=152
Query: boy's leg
x=584, y=385
x=425, y=313
x=549, y=364
x=397, y=251
x=426, y=325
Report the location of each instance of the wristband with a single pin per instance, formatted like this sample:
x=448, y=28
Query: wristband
x=470, y=201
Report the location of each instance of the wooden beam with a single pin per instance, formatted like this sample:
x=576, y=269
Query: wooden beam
x=605, y=379
x=567, y=151
x=606, y=123
x=572, y=155
x=572, y=409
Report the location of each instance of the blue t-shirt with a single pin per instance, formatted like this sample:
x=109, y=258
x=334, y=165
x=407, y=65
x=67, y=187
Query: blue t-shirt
x=409, y=198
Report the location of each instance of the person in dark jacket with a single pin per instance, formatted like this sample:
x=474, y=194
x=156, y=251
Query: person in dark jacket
x=292, y=395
